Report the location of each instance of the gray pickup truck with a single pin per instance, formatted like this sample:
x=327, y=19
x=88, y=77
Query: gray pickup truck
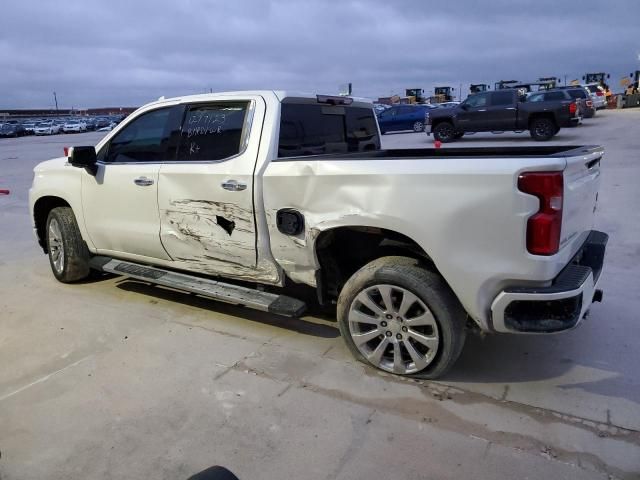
x=500, y=111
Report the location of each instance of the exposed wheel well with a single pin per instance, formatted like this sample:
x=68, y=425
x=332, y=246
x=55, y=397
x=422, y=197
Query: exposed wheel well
x=344, y=250
x=41, y=211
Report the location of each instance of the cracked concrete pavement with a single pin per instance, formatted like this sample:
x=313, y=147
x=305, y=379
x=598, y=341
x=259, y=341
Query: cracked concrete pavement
x=116, y=379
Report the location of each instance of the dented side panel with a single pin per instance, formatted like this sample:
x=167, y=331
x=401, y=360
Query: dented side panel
x=465, y=213
x=208, y=228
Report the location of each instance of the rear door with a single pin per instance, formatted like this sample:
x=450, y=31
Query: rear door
x=205, y=196
x=472, y=115
x=501, y=111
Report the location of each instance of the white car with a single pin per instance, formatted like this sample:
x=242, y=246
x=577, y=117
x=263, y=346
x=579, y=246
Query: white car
x=108, y=128
x=597, y=95
x=74, y=126
x=277, y=188
x=46, y=128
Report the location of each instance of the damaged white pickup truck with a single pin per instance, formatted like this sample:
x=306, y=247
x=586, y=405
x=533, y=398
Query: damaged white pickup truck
x=240, y=196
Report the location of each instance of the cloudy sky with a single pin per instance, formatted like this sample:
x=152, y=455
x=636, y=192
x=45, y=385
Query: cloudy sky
x=128, y=52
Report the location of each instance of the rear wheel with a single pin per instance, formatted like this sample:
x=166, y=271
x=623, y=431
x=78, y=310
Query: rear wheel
x=418, y=127
x=401, y=318
x=444, y=132
x=542, y=129
x=68, y=254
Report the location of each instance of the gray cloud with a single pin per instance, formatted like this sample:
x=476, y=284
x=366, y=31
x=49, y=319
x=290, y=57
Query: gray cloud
x=128, y=52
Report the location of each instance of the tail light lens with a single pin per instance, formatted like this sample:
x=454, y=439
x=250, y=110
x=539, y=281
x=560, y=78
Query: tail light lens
x=599, y=93
x=572, y=108
x=589, y=103
x=543, y=228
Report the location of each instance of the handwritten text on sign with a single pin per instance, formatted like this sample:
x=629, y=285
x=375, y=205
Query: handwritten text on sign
x=205, y=123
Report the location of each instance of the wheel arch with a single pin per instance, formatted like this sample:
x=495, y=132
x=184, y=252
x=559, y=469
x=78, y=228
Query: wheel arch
x=342, y=250
x=41, y=209
x=548, y=115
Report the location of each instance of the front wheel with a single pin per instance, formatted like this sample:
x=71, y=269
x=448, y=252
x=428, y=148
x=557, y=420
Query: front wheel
x=401, y=318
x=418, y=127
x=68, y=254
x=444, y=132
x=542, y=129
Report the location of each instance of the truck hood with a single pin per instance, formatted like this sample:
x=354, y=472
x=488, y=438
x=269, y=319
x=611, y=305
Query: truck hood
x=49, y=165
x=442, y=112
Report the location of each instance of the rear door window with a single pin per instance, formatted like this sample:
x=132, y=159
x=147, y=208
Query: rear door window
x=213, y=131
x=313, y=129
x=501, y=98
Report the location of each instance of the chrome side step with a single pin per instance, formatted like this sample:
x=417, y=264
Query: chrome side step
x=224, y=292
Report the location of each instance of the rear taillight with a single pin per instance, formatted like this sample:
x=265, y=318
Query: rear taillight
x=599, y=93
x=589, y=103
x=543, y=228
x=572, y=108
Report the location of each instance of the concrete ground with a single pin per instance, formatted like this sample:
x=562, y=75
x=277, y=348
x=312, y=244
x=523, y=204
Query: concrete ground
x=115, y=379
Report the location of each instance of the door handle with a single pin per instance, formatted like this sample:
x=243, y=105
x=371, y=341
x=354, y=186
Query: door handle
x=482, y=110
x=234, y=185
x=143, y=181
x=510, y=108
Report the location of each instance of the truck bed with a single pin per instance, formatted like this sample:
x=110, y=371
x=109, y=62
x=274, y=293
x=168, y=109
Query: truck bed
x=473, y=152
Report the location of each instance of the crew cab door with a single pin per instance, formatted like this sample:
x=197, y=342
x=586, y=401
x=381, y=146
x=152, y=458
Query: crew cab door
x=502, y=111
x=472, y=113
x=120, y=203
x=205, y=196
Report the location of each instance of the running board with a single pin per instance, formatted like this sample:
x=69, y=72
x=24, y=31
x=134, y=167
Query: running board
x=224, y=292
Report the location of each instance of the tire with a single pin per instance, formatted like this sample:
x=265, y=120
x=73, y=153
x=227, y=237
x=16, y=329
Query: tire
x=68, y=254
x=214, y=473
x=444, y=132
x=422, y=337
x=542, y=129
x=418, y=127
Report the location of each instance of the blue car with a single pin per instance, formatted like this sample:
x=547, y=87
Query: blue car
x=402, y=117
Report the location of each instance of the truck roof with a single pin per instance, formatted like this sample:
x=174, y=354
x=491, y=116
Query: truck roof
x=279, y=94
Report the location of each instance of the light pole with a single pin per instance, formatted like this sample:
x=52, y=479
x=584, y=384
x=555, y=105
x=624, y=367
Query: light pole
x=56, y=100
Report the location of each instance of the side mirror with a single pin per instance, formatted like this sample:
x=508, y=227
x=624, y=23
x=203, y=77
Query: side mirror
x=84, y=157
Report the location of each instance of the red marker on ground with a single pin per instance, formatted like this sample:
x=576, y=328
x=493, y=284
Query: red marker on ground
x=437, y=143
x=4, y=192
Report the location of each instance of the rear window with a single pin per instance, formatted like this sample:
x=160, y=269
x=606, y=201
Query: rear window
x=554, y=96
x=577, y=93
x=592, y=88
x=313, y=129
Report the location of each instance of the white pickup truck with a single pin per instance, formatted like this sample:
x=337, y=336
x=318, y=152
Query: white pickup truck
x=240, y=196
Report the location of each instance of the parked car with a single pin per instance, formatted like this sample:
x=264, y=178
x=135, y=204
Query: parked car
x=12, y=130
x=107, y=128
x=580, y=94
x=46, y=128
x=411, y=245
x=597, y=95
x=74, y=126
x=402, y=117
x=29, y=127
x=499, y=111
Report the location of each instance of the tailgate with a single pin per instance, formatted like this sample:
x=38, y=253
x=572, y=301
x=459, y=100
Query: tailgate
x=581, y=183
